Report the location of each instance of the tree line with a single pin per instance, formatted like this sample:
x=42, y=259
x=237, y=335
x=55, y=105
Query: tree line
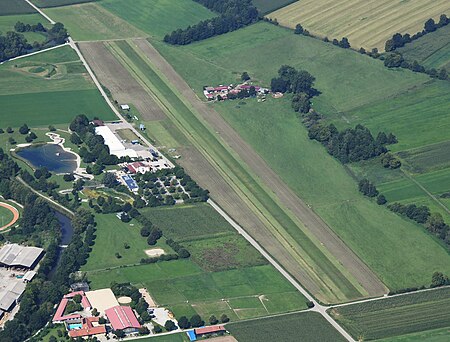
x=234, y=14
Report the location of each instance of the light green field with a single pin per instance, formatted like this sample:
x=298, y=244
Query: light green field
x=91, y=21
x=308, y=327
x=437, y=335
x=396, y=316
x=336, y=284
x=158, y=17
x=401, y=253
x=6, y=216
x=7, y=23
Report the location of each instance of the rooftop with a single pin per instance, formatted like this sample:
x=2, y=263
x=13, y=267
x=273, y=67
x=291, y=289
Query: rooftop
x=122, y=317
x=19, y=256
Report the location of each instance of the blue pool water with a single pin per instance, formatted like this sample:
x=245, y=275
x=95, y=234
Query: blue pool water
x=74, y=326
x=51, y=156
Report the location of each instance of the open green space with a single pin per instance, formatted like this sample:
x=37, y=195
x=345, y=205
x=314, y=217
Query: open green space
x=8, y=7
x=7, y=23
x=436, y=335
x=90, y=21
x=267, y=6
x=6, y=216
x=431, y=50
x=338, y=284
x=158, y=17
x=56, y=3
x=400, y=252
x=307, y=327
x=399, y=315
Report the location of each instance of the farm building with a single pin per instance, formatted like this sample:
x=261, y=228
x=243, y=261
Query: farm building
x=89, y=327
x=27, y=277
x=112, y=141
x=124, y=107
x=138, y=167
x=10, y=296
x=59, y=316
x=14, y=255
x=205, y=331
x=123, y=318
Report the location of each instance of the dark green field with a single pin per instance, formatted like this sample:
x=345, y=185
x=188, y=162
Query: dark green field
x=267, y=6
x=432, y=50
x=305, y=327
x=56, y=3
x=396, y=316
x=8, y=7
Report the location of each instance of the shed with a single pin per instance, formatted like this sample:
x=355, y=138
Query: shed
x=124, y=107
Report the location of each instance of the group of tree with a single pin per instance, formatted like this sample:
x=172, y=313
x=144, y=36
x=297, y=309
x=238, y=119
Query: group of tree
x=396, y=60
x=196, y=321
x=21, y=27
x=234, y=14
x=389, y=161
x=367, y=188
x=398, y=40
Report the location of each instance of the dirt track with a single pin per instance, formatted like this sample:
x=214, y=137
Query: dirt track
x=15, y=214
x=118, y=80
x=365, y=276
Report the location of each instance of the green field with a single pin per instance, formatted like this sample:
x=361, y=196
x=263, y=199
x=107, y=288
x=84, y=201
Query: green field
x=400, y=252
x=5, y=216
x=396, y=316
x=432, y=50
x=158, y=17
x=437, y=335
x=428, y=158
x=48, y=88
x=335, y=283
x=305, y=327
x=56, y=3
x=8, y=7
x=7, y=23
x=267, y=6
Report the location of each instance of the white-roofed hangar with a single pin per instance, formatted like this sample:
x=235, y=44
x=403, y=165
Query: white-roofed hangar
x=115, y=146
x=14, y=255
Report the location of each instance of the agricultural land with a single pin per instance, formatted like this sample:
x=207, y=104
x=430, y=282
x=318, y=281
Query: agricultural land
x=365, y=25
x=395, y=316
x=9, y=7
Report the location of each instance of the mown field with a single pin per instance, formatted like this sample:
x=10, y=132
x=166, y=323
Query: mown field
x=307, y=327
x=7, y=23
x=249, y=286
x=5, y=216
x=431, y=50
x=366, y=25
x=266, y=6
x=335, y=283
x=396, y=316
x=437, y=335
x=400, y=252
x=8, y=7
x=48, y=88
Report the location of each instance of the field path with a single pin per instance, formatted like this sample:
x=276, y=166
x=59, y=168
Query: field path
x=15, y=214
x=364, y=275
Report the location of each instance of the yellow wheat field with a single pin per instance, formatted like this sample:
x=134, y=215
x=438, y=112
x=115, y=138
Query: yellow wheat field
x=366, y=23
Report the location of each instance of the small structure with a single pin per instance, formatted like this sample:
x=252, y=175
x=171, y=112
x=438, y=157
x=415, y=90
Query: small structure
x=98, y=123
x=80, y=286
x=130, y=183
x=138, y=167
x=27, y=277
x=89, y=327
x=14, y=255
x=124, y=107
x=204, y=331
x=123, y=318
x=142, y=127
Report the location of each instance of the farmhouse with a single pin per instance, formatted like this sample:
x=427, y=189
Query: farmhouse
x=123, y=318
x=138, y=167
x=223, y=92
x=115, y=145
x=14, y=255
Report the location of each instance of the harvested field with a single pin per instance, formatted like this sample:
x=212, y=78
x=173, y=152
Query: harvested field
x=8, y=7
x=316, y=226
x=365, y=24
x=395, y=316
x=123, y=87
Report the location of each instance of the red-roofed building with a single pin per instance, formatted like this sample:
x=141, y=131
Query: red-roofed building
x=123, y=318
x=59, y=315
x=209, y=330
x=138, y=167
x=88, y=328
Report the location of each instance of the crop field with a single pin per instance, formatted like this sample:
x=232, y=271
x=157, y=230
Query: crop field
x=266, y=6
x=56, y=3
x=431, y=50
x=332, y=271
x=307, y=327
x=428, y=158
x=48, y=88
x=436, y=335
x=90, y=21
x=396, y=316
x=158, y=17
x=8, y=7
x=366, y=25
x=392, y=247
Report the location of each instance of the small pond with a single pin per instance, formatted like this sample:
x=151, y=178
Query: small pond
x=51, y=156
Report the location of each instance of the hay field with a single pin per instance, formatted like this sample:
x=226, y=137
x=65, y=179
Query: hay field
x=366, y=24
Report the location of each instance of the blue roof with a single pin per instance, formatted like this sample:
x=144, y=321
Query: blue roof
x=130, y=182
x=191, y=335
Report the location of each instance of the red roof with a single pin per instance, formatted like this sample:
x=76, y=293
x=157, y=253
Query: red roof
x=122, y=317
x=221, y=88
x=209, y=330
x=88, y=329
x=59, y=315
x=85, y=302
x=131, y=168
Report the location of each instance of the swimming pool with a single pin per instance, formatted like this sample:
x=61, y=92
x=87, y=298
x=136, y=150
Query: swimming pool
x=74, y=326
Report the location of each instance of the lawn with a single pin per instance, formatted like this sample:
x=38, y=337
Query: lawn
x=307, y=327
x=158, y=17
x=90, y=21
x=8, y=7
x=181, y=337
x=396, y=316
x=431, y=50
x=326, y=270
x=7, y=23
x=400, y=252
x=6, y=216
x=366, y=25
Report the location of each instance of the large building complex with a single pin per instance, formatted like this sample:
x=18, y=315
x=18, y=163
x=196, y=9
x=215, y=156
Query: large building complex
x=14, y=255
x=116, y=147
